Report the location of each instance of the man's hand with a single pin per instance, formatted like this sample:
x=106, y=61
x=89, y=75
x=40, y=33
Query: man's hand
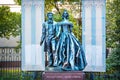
x=41, y=43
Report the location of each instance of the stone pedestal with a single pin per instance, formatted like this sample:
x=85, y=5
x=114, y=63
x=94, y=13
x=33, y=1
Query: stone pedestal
x=68, y=75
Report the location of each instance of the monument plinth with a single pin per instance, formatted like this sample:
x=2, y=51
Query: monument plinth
x=67, y=75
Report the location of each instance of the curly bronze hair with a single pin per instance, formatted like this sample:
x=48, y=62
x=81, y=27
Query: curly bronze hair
x=49, y=13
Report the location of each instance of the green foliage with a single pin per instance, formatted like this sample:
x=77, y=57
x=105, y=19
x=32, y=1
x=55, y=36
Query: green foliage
x=57, y=17
x=50, y=4
x=113, y=61
x=113, y=35
x=77, y=29
x=113, y=17
x=18, y=2
x=10, y=22
x=17, y=74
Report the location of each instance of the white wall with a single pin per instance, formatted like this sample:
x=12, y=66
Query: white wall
x=12, y=42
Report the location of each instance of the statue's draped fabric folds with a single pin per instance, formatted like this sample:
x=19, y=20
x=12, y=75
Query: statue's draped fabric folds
x=69, y=52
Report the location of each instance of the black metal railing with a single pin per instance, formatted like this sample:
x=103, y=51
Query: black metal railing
x=10, y=65
x=10, y=62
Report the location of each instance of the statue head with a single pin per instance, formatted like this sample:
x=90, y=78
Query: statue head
x=50, y=15
x=65, y=15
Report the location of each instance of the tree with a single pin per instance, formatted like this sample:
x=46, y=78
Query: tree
x=18, y=2
x=113, y=34
x=10, y=22
x=113, y=23
x=50, y=4
x=113, y=61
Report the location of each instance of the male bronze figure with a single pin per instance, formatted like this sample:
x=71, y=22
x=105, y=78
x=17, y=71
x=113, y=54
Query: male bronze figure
x=48, y=34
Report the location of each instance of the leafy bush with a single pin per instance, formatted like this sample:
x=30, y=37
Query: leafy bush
x=113, y=61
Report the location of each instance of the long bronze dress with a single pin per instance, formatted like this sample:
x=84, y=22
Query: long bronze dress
x=70, y=55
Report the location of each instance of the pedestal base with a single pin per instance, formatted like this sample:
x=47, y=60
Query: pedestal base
x=68, y=75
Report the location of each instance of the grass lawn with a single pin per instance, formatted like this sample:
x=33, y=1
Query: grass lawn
x=17, y=74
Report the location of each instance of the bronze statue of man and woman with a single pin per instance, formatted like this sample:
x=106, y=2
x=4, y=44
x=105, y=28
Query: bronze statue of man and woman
x=62, y=47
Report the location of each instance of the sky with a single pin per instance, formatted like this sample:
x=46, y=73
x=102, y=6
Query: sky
x=7, y=2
